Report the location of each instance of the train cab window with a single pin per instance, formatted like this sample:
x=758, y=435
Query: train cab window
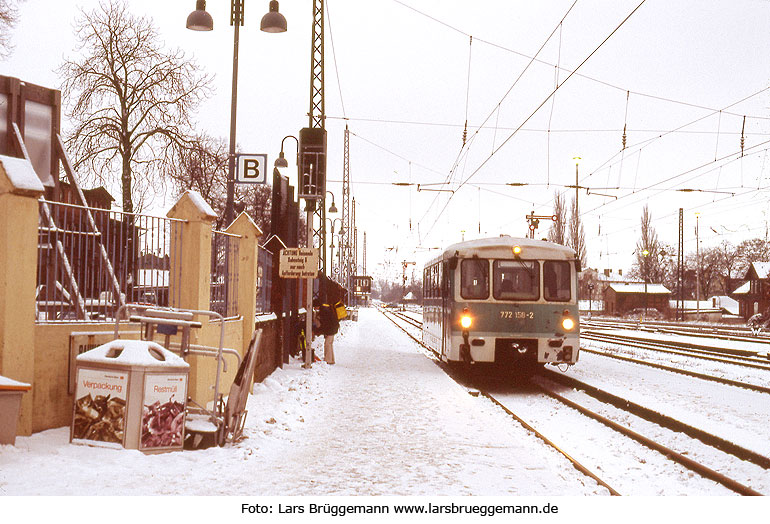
x=516, y=280
x=474, y=275
x=557, y=285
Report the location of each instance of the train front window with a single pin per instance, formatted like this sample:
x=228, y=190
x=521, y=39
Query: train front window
x=557, y=284
x=474, y=276
x=516, y=280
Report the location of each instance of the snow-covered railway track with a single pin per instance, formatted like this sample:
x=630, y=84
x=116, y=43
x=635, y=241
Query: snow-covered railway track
x=615, y=457
x=660, y=347
x=402, y=321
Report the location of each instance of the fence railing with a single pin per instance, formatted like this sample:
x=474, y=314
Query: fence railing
x=224, y=273
x=264, y=280
x=91, y=261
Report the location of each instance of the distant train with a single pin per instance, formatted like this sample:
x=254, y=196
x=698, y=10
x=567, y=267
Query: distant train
x=507, y=301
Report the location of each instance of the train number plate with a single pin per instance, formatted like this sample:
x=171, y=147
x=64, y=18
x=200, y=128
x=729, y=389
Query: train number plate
x=518, y=315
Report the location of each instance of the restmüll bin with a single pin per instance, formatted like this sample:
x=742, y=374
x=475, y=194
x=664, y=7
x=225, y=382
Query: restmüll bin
x=11, y=392
x=130, y=394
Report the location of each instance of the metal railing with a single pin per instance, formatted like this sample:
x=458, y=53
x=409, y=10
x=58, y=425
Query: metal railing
x=91, y=261
x=224, y=273
x=264, y=280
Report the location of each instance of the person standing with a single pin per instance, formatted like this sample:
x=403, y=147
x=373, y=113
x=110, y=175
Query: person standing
x=328, y=325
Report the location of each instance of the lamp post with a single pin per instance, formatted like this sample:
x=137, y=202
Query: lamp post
x=645, y=254
x=200, y=20
x=697, y=268
x=331, y=245
x=577, y=160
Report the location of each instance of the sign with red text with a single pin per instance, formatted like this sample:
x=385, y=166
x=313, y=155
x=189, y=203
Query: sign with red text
x=99, y=414
x=163, y=410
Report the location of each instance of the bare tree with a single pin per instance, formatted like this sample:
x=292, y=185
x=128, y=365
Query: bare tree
x=131, y=102
x=558, y=229
x=648, y=256
x=9, y=16
x=202, y=165
x=577, y=236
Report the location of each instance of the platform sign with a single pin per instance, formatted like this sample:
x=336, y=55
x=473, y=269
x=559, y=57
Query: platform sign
x=252, y=169
x=298, y=262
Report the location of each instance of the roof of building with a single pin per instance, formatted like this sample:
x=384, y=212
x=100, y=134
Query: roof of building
x=743, y=289
x=650, y=289
x=762, y=269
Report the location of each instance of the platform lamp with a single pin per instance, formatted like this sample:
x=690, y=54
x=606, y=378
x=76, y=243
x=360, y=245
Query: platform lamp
x=200, y=20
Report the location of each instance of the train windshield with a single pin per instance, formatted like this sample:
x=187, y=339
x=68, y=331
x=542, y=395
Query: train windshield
x=556, y=281
x=475, y=278
x=516, y=279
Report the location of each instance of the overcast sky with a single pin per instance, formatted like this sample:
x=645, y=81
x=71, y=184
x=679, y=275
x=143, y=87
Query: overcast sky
x=405, y=75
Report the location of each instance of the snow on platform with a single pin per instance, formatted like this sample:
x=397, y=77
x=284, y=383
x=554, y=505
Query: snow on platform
x=384, y=420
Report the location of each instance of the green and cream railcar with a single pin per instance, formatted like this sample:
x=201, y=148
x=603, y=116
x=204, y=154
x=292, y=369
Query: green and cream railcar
x=508, y=301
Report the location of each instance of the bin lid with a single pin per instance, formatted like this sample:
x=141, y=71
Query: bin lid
x=133, y=353
x=8, y=384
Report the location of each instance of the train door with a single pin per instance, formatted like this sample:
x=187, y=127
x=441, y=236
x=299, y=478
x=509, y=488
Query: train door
x=447, y=303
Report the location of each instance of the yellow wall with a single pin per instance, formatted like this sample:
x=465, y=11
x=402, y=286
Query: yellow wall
x=39, y=354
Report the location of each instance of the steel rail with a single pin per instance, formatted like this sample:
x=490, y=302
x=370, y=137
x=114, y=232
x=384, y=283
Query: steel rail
x=676, y=349
x=685, y=461
x=521, y=421
x=694, y=374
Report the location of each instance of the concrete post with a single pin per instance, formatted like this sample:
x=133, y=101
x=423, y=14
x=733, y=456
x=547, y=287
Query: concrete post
x=247, y=266
x=191, y=270
x=20, y=189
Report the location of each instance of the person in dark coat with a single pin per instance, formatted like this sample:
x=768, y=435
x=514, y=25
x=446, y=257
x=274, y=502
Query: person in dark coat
x=327, y=325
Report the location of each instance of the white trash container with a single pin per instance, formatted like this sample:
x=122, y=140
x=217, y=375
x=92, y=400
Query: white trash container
x=130, y=394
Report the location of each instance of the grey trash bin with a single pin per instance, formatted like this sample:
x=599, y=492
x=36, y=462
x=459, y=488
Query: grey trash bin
x=131, y=394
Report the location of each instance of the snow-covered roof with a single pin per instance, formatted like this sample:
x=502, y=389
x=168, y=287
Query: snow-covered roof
x=21, y=175
x=743, y=289
x=650, y=289
x=762, y=269
x=138, y=353
x=8, y=384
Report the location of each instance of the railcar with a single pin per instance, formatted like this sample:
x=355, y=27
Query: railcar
x=507, y=301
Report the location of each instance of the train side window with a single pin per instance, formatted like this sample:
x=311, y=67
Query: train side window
x=516, y=280
x=474, y=277
x=557, y=281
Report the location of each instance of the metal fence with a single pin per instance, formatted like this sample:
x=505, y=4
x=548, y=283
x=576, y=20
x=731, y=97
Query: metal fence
x=224, y=273
x=91, y=261
x=264, y=280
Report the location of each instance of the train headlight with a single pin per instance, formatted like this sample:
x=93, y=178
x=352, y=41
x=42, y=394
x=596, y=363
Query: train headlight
x=568, y=324
x=516, y=251
x=466, y=321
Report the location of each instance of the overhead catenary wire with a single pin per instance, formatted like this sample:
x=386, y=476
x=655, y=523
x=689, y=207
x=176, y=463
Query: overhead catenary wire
x=548, y=97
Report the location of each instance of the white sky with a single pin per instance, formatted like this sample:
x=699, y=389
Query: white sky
x=404, y=81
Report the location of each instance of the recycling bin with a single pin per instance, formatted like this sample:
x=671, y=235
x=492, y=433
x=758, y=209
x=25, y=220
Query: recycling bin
x=11, y=392
x=130, y=394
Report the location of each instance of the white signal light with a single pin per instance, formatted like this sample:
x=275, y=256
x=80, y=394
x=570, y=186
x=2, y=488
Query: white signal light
x=568, y=324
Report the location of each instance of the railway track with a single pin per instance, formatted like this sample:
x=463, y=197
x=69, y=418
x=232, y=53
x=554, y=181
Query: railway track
x=672, y=348
x=726, y=450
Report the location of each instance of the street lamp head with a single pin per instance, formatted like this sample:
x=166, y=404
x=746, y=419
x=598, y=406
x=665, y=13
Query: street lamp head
x=281, y=160
x=332, y=208
x=200, y=19
x=273, y=22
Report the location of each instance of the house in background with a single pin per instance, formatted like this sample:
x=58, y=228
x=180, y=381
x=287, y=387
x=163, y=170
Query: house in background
x=622, y=298
x=753, y=295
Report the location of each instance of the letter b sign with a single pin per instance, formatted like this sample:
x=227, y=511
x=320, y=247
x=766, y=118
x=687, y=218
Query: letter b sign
x=252, y=169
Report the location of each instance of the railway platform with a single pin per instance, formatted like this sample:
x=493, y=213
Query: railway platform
x=386, y=420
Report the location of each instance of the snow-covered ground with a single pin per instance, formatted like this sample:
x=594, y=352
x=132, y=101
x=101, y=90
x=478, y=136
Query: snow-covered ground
x=382, y=426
